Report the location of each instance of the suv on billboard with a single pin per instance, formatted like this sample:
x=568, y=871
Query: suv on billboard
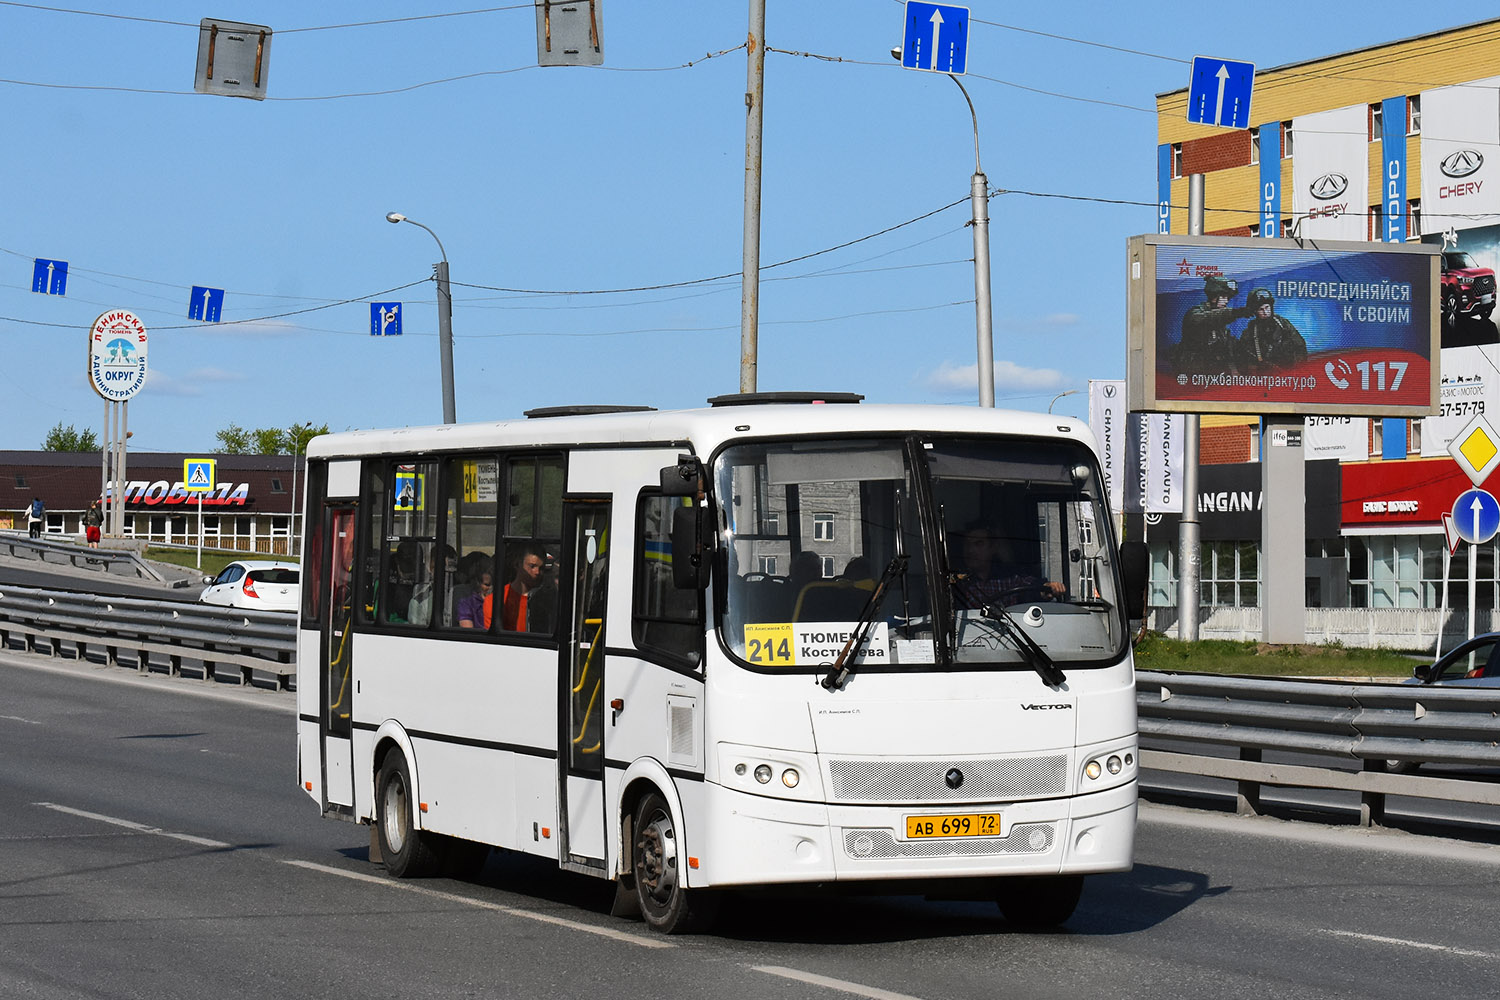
x=1468, y=289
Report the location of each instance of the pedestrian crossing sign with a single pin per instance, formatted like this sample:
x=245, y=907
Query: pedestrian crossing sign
x=409, y=490
x=198, y=474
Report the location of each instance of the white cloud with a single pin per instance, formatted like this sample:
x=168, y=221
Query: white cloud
x=956, y=380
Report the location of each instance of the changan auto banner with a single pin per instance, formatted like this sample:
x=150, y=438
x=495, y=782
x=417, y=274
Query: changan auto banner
x=1365, y=318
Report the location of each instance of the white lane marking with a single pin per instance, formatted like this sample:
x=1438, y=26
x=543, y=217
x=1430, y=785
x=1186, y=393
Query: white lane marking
x=17, y=718
x=1424, y=945
x=608, y=932
x=137, y=827
x=842, y=985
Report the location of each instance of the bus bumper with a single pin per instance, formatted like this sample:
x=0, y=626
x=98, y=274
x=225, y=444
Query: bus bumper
x=753, y=839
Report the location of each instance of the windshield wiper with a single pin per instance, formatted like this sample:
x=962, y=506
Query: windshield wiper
x=843, y=666
x=1035, y=656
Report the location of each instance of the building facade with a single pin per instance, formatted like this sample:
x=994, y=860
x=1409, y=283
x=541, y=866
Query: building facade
x=254, y=507
x=1395, y=142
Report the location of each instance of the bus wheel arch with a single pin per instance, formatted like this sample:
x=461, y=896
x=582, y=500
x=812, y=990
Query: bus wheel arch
x=406, y=850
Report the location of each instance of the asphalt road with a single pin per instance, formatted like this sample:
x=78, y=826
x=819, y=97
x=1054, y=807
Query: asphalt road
x=157, y=845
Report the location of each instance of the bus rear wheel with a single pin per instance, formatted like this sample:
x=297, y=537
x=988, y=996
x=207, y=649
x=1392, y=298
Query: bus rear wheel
x=406, y=851
x=1039, y=900
x=666, y=904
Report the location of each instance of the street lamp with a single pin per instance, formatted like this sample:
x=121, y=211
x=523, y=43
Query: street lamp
x=1070, y=392
x=291, y=534
x=445, y=318
x=979, y=200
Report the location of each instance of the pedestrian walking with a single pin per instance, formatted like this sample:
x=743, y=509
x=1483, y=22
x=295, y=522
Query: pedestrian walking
x=35, y=515
x=92, y=519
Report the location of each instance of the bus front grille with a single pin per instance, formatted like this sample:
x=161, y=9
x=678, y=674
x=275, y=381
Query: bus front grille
x=928, y=780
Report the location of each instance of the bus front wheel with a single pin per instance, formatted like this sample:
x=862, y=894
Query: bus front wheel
x=1039, y=900
x=406, y=851
x=666, y=904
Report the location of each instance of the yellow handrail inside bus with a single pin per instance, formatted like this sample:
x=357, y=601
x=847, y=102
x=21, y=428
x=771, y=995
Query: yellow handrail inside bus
x=584, y=725
x=590, y=658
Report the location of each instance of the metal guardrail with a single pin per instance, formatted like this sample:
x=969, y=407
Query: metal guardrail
x=1370, y=724
x=44, y=550
x=150, y=633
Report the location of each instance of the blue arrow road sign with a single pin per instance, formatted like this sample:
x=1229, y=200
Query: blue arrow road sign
x=385, y=319
x=936, y=37
x=1476, y=516
x=1219, y=93
x=205, y=304
x=50, y=277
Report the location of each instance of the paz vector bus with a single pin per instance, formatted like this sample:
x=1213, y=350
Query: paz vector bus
x=785, y=640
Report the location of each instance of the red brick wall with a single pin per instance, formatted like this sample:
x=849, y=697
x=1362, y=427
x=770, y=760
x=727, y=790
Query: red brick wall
x=1236, y=231
x=1221, y=445
x=1216, y=152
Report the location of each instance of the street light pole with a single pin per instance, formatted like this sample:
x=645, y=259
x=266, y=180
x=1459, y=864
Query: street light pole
x=1069, y=392
x=445, y=318
x=979, y=200
x=291, y=534
x=984, y=331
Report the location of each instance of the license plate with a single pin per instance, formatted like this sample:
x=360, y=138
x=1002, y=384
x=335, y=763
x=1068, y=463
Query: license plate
x=961, y=825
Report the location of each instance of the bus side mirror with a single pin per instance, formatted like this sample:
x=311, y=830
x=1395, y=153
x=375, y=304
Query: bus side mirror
x=692, y=547
x=685, y=479
x=1133, y=567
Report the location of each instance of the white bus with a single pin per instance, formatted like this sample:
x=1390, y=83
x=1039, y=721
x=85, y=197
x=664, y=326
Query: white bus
x=765, y=643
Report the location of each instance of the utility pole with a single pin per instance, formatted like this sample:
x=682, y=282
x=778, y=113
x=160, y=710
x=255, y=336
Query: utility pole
x=1189, y=552
x=984, y=331
x=755, y=87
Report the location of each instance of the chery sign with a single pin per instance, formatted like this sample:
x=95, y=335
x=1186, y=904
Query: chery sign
x=117, y=355
x=1244, y=325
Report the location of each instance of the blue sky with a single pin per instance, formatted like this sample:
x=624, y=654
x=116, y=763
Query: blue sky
x=543, y=182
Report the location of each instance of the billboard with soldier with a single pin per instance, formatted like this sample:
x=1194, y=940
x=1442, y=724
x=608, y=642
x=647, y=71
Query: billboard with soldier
x=1241, y=325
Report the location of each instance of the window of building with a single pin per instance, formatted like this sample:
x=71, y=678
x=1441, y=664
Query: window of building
x=772, y=522
x=1286, y=140
x=20, y=481
x=1228, y=576
x=666, y=619
x=767, y=565
x=823, y=528
x=276, y=485
x=1376, y=223
x=828, y=570
x=1376, y=116
x=1414, y=114
x=1255, y=145
x=1176, y=159
x=1255, y=229
x=1414, y=219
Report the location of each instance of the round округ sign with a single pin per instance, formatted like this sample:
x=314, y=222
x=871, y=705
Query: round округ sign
x=117, y=355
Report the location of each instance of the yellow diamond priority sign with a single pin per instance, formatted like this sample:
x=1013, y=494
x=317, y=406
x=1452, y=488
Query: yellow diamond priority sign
x=1476, y=449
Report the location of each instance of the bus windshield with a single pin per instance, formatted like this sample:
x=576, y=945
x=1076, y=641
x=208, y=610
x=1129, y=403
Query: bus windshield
x=977, y=535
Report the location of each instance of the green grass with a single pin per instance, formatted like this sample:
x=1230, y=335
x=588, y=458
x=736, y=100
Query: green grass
x=1221, y=656
x=213, y=562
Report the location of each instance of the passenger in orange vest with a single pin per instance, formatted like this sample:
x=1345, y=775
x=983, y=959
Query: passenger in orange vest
x=513, y=601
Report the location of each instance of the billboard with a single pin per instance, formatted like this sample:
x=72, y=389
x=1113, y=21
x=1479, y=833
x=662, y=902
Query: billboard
x=1228, y=324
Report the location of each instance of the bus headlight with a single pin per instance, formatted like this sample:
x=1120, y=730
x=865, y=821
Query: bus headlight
x=790, y=777
x=1092, y=769
x=1113, y=764
x=786, y=774
x=763, y=773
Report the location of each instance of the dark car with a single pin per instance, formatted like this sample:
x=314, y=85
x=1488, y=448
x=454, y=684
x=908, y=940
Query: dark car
x=1468, y=288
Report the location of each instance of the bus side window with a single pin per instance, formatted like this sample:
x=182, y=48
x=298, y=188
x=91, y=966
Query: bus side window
x=526, y=584
x=665, y=618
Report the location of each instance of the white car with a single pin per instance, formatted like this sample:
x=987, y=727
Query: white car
x=255, y=585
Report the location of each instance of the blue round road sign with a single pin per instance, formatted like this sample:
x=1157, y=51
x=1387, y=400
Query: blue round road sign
x=1476, y=515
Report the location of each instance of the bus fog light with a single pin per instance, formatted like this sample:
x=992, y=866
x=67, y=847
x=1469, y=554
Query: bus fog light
x=739, y=769
x=1092, y=769
x=1113, y=764
x=1129, y=759
x=790, y=777
x=763, y=773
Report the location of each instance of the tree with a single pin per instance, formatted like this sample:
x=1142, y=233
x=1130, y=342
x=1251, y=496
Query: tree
x=62, y=438
x=235, y=440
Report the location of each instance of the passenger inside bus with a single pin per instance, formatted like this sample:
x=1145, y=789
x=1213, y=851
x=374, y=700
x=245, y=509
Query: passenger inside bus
x=419, y=612
x=474, y=609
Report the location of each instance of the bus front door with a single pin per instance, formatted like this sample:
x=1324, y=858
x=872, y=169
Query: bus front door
x=337, y=643
x=581, y=815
